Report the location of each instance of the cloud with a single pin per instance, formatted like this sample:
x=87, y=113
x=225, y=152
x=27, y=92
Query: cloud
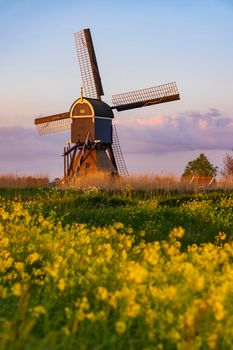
x=24, y=151
x=188, y=131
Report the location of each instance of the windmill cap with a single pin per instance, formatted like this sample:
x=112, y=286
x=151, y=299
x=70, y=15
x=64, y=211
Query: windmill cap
x=101, y=109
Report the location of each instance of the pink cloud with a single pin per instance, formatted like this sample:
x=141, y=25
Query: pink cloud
x=158, y=120
x=158, y=137
x=188, y=131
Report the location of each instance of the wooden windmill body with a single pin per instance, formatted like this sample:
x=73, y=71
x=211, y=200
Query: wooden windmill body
x=94, y=145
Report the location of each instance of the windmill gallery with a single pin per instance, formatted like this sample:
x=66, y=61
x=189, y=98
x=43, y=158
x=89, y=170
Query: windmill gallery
x=95, y=145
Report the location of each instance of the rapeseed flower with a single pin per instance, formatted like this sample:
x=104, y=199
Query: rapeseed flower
x=39, y=310
x=33, y=257
x=120, y=327
x=17, y=289
x=88, y=279
x=61, y=285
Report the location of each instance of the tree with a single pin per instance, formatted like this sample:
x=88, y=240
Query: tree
x=227, y=165
x=200, y=166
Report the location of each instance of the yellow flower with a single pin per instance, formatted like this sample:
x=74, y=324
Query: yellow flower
x=199, y=283
x=17, y=289
x=33, y=258
x=61, y=285
x=137, y=273
x=177, y=232
x=221, y=236
x=19, y=266
x=39, y=310
x=151, y=255
x=120, y=327
x=53, y=269
x=192, y=248
x=103, y=293
x=4, y=242
x=133, y=309
x=219, y=311
x=170, y=317
x=8, y=262
x=90, y=316
x=124, y=255
x=212, y=341
x=4, y=214
x=118, y=225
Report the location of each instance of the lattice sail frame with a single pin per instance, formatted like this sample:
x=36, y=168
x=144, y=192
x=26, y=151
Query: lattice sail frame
x=88, y=64
x=53, y=126
x=144, y=95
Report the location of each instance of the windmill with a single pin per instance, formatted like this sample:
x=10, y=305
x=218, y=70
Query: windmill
x=94, y=145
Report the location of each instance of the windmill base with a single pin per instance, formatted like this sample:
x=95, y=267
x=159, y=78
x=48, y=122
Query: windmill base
x=88, y=159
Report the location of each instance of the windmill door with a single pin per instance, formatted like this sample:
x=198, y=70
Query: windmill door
x=82, y=127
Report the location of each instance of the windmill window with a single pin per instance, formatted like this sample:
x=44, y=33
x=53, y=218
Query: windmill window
x=88, y=165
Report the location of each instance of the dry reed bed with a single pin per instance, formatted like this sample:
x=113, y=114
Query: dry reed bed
x=150, y=182
x=23, y=181
x=143, y=182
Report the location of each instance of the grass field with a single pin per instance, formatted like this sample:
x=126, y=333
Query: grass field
x=115, y=270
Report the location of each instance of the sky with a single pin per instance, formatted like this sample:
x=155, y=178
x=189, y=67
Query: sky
x=138, y=44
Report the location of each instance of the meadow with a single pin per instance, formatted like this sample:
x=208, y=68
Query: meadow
x=121, y=269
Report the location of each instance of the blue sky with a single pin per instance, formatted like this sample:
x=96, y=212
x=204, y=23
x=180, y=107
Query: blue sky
x=138, y=44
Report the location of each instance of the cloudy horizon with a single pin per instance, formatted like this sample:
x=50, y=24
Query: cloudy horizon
x=156, y=144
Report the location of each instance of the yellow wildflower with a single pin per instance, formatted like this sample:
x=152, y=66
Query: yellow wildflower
x=4, y=242
x=219, y=311
x=39, y=310
x=61, y=285
x=120, y=327
x=19, y=266
x=90, y=316
x=221, y=236
x=177, y=232
x=132, y=309
x=17, y=289
x=118, y=225
x=124, y=255
x=212, y=341
x=33, y=257
x=4, y=214
x=103, y=293
x=137, y=273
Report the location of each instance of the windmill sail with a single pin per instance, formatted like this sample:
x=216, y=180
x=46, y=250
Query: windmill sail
x=88, y=64
x=53, y=123
x=118, y=155
x=145, y=97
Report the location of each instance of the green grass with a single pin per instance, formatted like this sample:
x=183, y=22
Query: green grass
x=202, y=215
x=143, y=291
